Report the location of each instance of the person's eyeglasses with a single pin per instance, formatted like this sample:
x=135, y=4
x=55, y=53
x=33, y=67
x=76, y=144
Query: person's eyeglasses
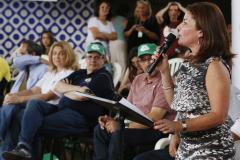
x=145, y=59
x=93, y=57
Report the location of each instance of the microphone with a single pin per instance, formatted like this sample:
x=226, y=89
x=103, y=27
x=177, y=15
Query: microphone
x=162, y=50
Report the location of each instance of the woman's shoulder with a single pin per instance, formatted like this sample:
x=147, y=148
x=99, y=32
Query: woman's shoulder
x=93, y=19
x=212, y=59
x=217, y=62
x=217, y=66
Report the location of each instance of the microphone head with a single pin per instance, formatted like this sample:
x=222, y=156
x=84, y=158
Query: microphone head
x=169, y=40
x=171, y=37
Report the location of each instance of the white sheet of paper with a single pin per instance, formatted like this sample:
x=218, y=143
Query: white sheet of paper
x=128, y=104
x=94, y=97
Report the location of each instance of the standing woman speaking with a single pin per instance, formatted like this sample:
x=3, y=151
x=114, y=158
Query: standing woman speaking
x=201, y=91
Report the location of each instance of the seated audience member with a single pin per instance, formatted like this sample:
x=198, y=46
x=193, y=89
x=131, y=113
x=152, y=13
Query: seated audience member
x=169, y=18
x=74, y=115
x=62, y=62
x=133, y=69
x=31, y=70
x=27, y=54
x=5, y=77
x=47, y=41
x=146, y=93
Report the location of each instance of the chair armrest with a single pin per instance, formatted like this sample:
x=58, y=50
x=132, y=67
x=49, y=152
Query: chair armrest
x=162, y=143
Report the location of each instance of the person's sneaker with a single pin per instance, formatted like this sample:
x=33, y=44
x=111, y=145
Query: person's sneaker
x=19, y=153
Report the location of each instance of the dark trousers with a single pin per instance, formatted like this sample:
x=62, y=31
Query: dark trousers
x=10, y=139
x=46, y=119
x=7, y=114
x=108, y=146
x=162, y=154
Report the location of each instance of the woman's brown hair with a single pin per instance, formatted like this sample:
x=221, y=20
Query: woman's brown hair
x=215, y=41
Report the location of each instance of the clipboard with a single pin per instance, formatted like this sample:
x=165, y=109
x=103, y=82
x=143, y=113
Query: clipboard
x=123, y=106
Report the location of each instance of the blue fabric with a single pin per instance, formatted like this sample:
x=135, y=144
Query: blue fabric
x=119, y=27
x=10, y=140
x=7, y=113
x=22, y=61
x=32, y=120
x=36, y=71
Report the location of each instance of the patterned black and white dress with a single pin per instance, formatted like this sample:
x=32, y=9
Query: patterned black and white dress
x=191, y=100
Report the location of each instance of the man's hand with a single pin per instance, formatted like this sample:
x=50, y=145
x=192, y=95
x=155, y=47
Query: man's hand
x=65, y=86
x=44, y=61
x=108, y=123
x=74, y=96
x=112, y=126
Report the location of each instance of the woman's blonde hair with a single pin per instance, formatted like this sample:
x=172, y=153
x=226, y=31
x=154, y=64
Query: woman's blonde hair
x=70, y=58
x=145, y=2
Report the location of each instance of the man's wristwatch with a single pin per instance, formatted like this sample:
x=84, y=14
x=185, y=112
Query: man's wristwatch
x=184, y=125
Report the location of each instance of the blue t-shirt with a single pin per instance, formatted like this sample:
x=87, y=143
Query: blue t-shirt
x=99, y=82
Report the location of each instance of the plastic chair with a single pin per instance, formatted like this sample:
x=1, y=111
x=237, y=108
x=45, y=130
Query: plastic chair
x=162, y=143
x=175, y=64
x=117, y=72
x=234, y=110
x=237, y=147
x=82, y=63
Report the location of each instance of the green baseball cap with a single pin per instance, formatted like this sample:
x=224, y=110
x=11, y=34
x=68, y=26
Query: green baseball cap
x=96, y=47
x=147, y=48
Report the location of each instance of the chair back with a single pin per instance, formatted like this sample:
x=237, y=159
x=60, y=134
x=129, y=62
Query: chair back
x=174, y=64
x=234, y=110
x=237, y=149
x=117, y=72
x=82, y=63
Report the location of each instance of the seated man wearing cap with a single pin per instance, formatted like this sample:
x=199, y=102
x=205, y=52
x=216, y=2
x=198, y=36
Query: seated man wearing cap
x=74, y=115
x=146, y=93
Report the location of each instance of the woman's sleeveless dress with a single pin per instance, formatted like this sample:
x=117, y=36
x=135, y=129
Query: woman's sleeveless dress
x=191, y=100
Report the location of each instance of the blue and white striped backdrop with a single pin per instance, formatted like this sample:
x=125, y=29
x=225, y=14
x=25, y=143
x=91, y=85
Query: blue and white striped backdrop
x=19, y=20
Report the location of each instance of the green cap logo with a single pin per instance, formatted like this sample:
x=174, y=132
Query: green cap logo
x=147, y=48
x=96, y=47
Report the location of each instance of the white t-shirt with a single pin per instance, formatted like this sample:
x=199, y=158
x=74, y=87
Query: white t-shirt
x=50, y=79
x=95, y=22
